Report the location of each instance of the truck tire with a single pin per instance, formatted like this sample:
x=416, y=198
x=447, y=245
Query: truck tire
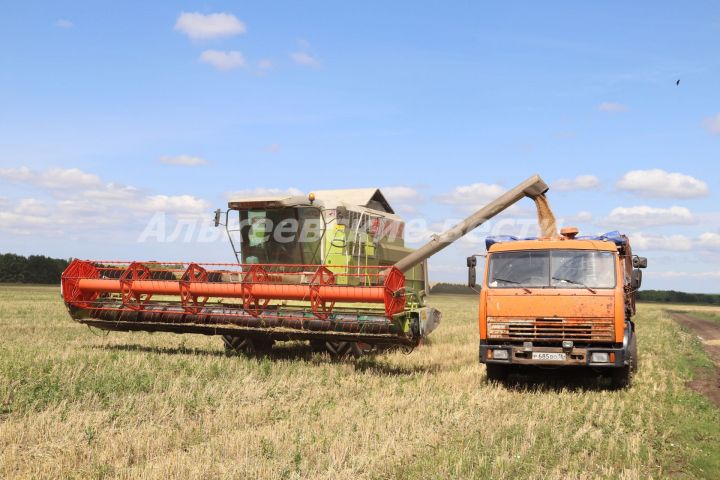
x=635, y=359
x=496, y=372
x=622, y=377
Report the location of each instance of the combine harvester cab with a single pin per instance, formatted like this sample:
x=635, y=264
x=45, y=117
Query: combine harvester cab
x=331, y=268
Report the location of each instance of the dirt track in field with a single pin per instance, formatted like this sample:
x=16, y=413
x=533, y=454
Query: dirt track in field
x=709, y=333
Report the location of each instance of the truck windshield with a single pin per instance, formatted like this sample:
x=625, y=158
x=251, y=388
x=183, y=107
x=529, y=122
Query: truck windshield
x=281, y=235
x=552, y=269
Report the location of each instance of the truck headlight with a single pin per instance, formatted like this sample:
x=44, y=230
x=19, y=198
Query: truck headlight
x=599, y=357
x=500, y=354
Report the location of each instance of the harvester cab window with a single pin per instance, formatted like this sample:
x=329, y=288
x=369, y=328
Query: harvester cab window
x=552, y=269
x=280, y=236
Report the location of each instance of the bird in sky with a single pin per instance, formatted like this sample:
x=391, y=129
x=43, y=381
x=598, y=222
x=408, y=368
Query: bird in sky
x=678, y=82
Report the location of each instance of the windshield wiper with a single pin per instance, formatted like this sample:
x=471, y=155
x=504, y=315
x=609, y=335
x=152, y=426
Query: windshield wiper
x=575, y=282
x=514, y=282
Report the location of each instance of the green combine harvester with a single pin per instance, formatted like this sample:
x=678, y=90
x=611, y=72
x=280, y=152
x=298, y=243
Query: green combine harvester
x=331, y=268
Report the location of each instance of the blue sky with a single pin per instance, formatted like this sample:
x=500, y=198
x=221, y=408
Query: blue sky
x=103, y=105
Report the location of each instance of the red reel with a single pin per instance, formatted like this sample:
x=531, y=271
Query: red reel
x=394, y=292
x=76, y=271
x=321, y=309
x=194, y=274
x=130, y=298
x=254, y=306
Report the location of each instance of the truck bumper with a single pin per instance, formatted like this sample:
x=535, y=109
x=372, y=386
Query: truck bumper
x=575, y=356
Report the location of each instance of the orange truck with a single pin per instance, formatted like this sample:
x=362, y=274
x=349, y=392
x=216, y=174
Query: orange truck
x=559, y=302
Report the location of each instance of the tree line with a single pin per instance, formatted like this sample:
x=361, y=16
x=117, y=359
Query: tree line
x=672, y=296
x=32, y=269
x=663, y=296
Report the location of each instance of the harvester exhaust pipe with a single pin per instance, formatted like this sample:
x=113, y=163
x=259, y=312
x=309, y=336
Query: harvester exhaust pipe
x=532, y=187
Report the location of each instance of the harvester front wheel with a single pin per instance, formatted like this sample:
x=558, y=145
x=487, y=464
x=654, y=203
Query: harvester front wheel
x=341, y=350
x=249, y=346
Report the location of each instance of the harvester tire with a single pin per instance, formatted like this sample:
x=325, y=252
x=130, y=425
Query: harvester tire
x=249, y=346
x=342, y=350
x=496, y=372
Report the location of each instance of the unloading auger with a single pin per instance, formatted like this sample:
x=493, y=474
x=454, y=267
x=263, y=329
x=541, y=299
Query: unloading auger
x=345, y=281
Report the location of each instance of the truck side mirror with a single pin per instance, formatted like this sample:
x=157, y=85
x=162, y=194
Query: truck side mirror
x=636, y=279
x=640, y=262
x=472, y=274
x=217, y=217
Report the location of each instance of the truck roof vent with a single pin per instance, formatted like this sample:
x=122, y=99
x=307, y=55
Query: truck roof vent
x=569, y=232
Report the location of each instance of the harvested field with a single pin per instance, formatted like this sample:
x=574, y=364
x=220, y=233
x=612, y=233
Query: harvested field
x=706, y=325
x=77, y=403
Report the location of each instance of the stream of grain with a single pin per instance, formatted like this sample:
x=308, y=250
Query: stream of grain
x=546, y=218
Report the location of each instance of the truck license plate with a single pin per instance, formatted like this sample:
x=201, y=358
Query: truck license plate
x=548, y=356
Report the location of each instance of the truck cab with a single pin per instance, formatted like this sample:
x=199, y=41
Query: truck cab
x=559, y=302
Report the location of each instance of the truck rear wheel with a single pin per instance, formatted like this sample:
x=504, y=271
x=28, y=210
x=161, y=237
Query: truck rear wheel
x=497, y=372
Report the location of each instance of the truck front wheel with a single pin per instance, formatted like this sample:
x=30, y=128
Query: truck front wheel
x=496, y=372
x=621, y=377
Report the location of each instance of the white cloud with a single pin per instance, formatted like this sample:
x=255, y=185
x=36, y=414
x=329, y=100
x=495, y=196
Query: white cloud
x=110, y=192
x=612, y=107
x=709, y=240
x=223, y=60
x=712, y=124
x=645, y=216
x=581, y=182
x=263, y=192
x=583, y=216
x=88, y=205
x=177, y=204
x=272, y=148
x=642, y=241
x=402, y=198
x=473, y=195
x=401, y=193
x=304, y=59
x=53, y=178
x=199, y=26
x=661, y=184
x=62, y=23
x=265, y=64
x=184, y=160
x=31, y=206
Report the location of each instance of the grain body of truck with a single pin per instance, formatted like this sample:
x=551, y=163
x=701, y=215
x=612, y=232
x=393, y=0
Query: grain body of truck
x=561, y=302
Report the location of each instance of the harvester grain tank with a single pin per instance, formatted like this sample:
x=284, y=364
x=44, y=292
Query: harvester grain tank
x=331, y=268
x=565, y=301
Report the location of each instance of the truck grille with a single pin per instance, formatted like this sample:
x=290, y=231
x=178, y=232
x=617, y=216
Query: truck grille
x=551, y=329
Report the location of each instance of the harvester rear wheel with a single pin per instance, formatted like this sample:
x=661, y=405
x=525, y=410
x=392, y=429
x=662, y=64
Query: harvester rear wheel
x=249, y=346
